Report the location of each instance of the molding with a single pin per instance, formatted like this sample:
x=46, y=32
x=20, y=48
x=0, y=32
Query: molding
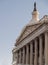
x=41, y=29
x=27, y=31
x=42, y=20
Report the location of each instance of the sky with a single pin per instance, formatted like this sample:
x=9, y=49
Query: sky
x=14, y=15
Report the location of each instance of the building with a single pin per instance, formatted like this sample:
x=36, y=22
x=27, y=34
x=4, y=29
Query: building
x=31, y=47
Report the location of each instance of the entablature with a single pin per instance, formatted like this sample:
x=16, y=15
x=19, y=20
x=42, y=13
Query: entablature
x=41, y=29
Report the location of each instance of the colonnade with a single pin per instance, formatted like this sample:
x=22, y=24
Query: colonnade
x=33, y=53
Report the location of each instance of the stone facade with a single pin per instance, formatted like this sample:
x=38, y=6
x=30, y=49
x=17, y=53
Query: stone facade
x=31, y=46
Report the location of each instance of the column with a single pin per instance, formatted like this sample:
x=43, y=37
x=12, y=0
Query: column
x=31, y=53
x=23, y=55
x=27, y=54
x=20, y=56
x=17, y=58
x=41, y=50
x=46, y=48
x=36, y=52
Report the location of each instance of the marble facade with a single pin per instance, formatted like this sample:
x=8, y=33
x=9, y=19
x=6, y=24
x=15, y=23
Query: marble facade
x=32, y=49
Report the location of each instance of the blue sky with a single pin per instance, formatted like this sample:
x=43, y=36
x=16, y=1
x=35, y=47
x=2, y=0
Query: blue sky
x=14, y=15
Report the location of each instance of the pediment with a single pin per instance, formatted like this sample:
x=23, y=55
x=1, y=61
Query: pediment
x=26, y=32
x=29, y=29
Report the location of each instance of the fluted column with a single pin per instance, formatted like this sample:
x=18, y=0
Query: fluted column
x=23, y=55
x=46, y=48
x=31, y=53
x=27, y=54
x=36, y=52
x=41, y=50
x=19, y=56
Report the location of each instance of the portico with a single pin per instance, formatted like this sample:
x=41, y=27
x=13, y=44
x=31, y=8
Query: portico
x=33, y=48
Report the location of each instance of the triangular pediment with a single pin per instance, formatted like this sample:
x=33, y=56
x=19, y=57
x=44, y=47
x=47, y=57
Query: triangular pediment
x=30, y=28
x=27, y=30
